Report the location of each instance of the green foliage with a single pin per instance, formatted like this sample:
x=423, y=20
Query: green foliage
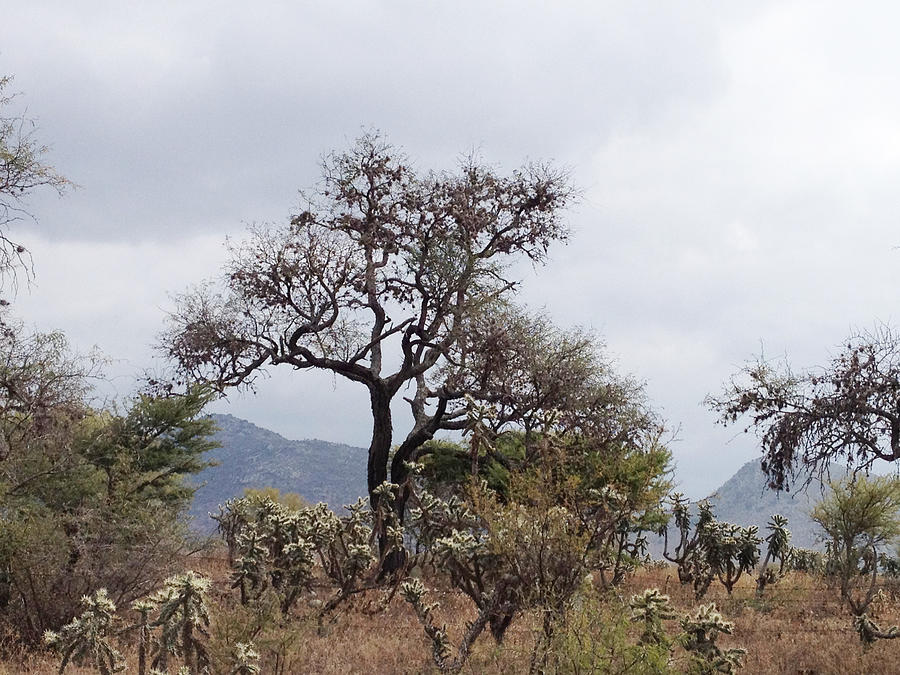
x=858, y=517
x=88, y=498
x=278, y=640
x=597, y=637
x=563, y=515
x=447, y=466
x=145, y=453
x=290, y=500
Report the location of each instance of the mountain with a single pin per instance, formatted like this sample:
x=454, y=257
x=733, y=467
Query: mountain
x=253, y=457
x=744, y=499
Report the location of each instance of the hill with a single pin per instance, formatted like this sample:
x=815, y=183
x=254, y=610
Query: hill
x=253, y=457
x=744, y=499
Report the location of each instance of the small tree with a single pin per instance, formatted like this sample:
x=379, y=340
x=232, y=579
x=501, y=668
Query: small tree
x=858, y=517
x=381, y=269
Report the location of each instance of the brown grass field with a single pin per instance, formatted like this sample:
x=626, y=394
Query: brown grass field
x=798, y=628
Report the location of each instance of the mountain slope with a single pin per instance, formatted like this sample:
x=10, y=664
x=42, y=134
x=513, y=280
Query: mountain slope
x=744, y=499
x=253, y=457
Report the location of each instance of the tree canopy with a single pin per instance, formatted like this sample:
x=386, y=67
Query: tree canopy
x=848, y=410
x=385, y=277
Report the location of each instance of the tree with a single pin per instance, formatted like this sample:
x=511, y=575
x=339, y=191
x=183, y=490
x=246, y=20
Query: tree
x=23, y=169
x=858, y=518
x=579, y=508
x=380, y=279
x=89, y=498
x=849, y=410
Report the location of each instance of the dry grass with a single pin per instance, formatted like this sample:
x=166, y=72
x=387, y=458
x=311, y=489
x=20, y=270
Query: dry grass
x=798, y=628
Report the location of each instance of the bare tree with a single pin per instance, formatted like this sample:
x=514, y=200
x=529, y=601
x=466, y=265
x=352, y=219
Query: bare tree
x=848, y=410
x=377, y=280
x=23, y=169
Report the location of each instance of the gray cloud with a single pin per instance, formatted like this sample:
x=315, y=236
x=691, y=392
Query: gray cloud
x=739, y=168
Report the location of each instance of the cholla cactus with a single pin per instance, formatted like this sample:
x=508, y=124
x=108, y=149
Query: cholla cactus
x=246, y=660
x=805, y=560
x=701, y=632
x=713, y=549
x=143, y=608
x=778, y=549
x=687, y=553
x=249, y=567
x=278, y=547
x=85, y=638
x=183, y=619
x=731, y=551
x=413, y=591
x=651, y=608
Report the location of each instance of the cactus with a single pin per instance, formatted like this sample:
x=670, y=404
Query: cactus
x=246, y=660
x=143, y=608
x=700, y=636
x=85, y=638
x=714, y=549
x=651, y=608
x=777, y=549
x=183, y=619
x=869, y=631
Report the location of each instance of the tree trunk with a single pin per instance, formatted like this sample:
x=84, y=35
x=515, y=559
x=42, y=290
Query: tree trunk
x=379, y=450
x=382, y=434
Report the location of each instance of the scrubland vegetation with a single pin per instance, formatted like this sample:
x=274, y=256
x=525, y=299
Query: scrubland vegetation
x=521, y=548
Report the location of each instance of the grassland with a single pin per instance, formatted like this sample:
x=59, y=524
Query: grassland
x=799, y=628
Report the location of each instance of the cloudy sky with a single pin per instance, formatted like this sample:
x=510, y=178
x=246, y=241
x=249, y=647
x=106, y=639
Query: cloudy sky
x=739, y=162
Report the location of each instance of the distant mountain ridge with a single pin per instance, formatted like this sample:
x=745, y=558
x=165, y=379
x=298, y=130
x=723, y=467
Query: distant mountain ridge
x=253, y=457
x=334, y=473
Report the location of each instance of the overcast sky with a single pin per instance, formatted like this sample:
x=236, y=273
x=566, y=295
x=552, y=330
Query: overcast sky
x=739, y=162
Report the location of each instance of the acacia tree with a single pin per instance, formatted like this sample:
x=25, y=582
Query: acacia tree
x=377, y=280
x=848, y=410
